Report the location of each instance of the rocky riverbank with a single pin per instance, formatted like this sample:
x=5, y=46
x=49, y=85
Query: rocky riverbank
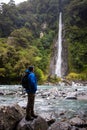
x=13, y=118
x=58, y=108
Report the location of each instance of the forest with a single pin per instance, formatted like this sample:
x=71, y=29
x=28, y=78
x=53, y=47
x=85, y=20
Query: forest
x=27, y=33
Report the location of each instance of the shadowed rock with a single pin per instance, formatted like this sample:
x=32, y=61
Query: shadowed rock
x=37, y=124
x=10, y=116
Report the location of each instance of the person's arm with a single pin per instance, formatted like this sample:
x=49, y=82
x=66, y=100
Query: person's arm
x=33, y=82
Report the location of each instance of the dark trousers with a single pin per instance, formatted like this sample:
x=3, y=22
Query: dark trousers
x=30, y=105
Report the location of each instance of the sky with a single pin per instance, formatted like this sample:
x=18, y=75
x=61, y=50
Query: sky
x=16, y=1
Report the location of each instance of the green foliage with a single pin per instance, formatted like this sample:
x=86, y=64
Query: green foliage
x=40, y=75
x=75, y=76
x=10, y=19
x=22, y=37
x=2, y=72
x=53, y=79
x=76, y=34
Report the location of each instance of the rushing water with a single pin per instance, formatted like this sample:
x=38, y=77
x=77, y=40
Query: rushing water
x=59, y=42
x=13, y=94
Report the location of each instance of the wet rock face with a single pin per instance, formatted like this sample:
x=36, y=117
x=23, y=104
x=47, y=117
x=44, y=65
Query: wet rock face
x=37, y=124
x=53, y=59
x=64, y=58
x=10, y=116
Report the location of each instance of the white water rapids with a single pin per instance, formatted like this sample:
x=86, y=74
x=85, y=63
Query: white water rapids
x=59, y=47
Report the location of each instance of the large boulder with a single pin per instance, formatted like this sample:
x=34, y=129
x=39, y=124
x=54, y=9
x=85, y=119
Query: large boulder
x=10, y=116
x=75, y=123
x=78, y=122
x=60, y=126
x=37, y=124
x=72, y=96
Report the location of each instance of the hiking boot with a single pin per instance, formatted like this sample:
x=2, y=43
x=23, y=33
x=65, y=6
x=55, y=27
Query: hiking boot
x=34, y=115
x=29, y=118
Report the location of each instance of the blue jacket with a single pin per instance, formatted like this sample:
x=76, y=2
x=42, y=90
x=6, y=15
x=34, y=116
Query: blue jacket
x=32, y=83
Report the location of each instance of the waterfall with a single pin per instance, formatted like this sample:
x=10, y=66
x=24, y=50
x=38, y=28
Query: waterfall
x=59, y=47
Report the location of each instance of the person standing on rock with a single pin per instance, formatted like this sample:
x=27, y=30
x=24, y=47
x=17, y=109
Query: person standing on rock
x=32, y=81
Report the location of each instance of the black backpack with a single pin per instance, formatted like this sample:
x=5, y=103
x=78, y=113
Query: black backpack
x=24, y=81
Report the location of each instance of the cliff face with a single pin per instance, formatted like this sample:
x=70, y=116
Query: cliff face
x=64, y=69
x=53, y=58
x=64, y=56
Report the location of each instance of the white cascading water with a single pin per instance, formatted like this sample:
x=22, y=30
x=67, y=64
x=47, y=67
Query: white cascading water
x=59, y=47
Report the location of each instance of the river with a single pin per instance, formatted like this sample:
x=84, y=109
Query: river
x=46, y=105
